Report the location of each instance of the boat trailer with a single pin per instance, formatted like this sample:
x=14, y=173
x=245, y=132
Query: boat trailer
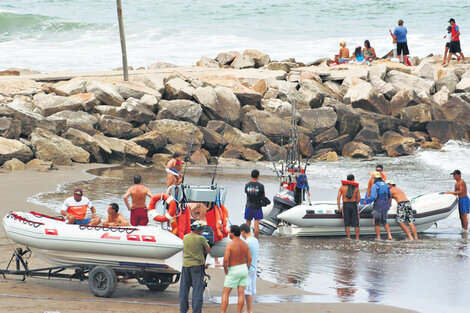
x=102, y=279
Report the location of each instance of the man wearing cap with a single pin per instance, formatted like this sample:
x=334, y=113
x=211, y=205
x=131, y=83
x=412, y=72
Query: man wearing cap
x=404, y=210
x=460, y=190
x=454, y=42
x=75, y=209
x=195, y=249
x=379, y=168
x=380, y=195
x=173, y=168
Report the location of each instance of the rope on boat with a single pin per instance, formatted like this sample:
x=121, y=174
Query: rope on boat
x=95, y=300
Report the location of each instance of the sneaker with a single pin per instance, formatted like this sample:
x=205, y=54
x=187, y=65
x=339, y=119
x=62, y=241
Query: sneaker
x=458, y=58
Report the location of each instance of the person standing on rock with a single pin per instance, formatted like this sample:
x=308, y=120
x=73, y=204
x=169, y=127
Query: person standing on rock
x=399, y=34
x=254, y=193
x=195, y=249
x=454, y=42
x=404, y=210
x=460, y=190
x=380, y=195
x=173, y=168
x=349, y=193
x=138, y=194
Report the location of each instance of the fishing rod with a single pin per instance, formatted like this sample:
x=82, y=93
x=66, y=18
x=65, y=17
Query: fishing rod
x=220, y=149
x=188, y=156
x=266, y=147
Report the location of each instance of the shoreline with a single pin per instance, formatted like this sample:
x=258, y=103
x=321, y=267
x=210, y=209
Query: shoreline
x=74, y=296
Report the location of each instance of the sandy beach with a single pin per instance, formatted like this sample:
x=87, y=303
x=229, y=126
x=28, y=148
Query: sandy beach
x=42, y=295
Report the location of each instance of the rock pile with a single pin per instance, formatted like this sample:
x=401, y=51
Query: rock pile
x=350, y=110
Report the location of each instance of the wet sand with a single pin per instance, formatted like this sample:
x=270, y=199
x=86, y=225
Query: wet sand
x=41, y=295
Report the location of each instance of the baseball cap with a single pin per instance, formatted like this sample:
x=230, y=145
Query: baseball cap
x=178, y=162
x=77, y=191
x=376, y=174
x=197, y=226
x=451, y=20
x=391, y=182
x=456, y=172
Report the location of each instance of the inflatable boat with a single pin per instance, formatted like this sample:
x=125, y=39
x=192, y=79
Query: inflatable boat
x=323, y=219
x=59, y=243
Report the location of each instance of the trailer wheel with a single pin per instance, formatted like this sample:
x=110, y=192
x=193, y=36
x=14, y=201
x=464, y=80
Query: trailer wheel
x=102, y=281
x=160, y=287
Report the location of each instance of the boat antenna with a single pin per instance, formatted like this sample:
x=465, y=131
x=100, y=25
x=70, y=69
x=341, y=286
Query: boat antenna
x=221, y=145
x=188, y=156
x=282, y=146
x=266, y=147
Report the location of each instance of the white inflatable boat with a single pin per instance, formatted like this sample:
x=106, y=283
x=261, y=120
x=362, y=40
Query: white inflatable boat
x=63, y=244
x=322, y=218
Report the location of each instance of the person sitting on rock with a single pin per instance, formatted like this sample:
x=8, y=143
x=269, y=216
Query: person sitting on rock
x=368, y=51
x=358, y=56
x=343, y=55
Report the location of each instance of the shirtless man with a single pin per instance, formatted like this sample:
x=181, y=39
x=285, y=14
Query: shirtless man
x=349, y=193
x=173, y=168
x=404, y=210
x=460, y=190
x=138, y=209
x=237, y=260
x=198, y=211
x=343, y=56
x=114, y=218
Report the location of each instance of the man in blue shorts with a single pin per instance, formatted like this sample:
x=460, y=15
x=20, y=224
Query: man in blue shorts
x=254, y=193
x=460, y=190
x=380, y=195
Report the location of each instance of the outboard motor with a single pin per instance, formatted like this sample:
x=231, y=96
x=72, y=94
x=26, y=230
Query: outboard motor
x=208, y=233
x=283, y=201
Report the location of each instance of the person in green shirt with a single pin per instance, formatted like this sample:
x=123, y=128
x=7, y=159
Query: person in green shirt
x=195, y=249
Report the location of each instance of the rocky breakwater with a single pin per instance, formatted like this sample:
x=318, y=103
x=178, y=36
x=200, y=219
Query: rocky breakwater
x=240, y=102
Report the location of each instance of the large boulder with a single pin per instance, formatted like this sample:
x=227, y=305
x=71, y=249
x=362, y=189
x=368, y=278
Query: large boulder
x=71, y=87
x=30, y=120
x=425, y=70
x=88, y=100
x=219, y=103
x=153, y=141
x=14, y=165
x=178, y=88
x=243, y=61
x=242, y=153
x=252, y=140
x=401, y=80
x=273, y=152
x=390, y=138
x=178, y=132
x=364, y=96
x=150, y=102
x=105, y=93
x=416, y=117
x=183, y=110
x=349, y=120
x=312, y=93
x=336, y=144
x=11, y=148
x=403, y=99
x=342, y=72
x=327, y=135
x=269, y=125
x=261, y=59
x=212, y=140
x=205, y=61
x=442, y=96
x=135, y=90
x=225, y=58
x=114, y=126
x=153, y=81
x=79, y=120
x=387, y=89
x=371, y=137
x=357, y=150
x=378, y=70
x=463, y=85
x=122, y=151
x=448, y=79
x=318, y=120
x=60, y=151
x=349, y=82
x=198, y=157
x=49, y=104
x=445, y=130
x=383, y=122
x=397, y=150
x=10, y=128
x=98, y=152
x=278, y=107
x=133, y=111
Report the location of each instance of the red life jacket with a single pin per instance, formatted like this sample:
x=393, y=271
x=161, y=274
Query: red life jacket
x=348, y=182
x=217, y=218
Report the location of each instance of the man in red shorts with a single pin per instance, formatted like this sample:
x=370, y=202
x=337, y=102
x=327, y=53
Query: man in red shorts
x=138, y=209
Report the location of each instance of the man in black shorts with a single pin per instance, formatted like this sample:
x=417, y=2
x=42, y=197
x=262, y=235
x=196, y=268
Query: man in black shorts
x=254, y=193
x=349, y=193
x=399, y=34
x=454, y=42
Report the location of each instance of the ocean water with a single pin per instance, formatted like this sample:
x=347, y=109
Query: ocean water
x=79, y=35
x=429, y=275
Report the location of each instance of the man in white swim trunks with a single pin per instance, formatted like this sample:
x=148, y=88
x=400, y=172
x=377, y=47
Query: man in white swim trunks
x=173, y=168
x=237, y=260
x=253, y=244
x=75, y=209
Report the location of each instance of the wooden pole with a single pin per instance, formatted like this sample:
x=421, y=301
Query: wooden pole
x=123, y=40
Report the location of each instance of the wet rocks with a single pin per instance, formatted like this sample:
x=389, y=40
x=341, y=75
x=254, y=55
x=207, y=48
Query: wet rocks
x=445, y=130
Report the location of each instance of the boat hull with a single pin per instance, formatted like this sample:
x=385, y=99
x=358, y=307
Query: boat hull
x=320, y=219
x=59, y=243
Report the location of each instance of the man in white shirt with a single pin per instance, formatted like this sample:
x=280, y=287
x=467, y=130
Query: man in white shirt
x=75, y=210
